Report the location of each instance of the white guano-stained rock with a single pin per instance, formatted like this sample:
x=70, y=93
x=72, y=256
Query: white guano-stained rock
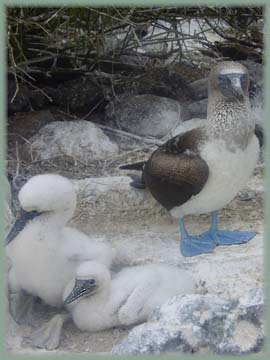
x=199, y=323
x=80, y=139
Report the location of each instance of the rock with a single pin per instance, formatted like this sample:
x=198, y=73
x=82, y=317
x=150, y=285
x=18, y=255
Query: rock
x=246, y=195
x=27, y=98
x=246, y=333
x=145, y=115
x=188, y=125
x=160, y=81
x=198, y=108
x=81, y=140
x=163, y=82
x=78, y=95
x=200, y=88
x=199, y=323
x=26, y=125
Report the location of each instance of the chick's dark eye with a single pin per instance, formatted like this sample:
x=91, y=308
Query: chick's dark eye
x=92, y=282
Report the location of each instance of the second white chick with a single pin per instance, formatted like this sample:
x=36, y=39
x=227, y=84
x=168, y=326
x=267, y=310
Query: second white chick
x=96, y=302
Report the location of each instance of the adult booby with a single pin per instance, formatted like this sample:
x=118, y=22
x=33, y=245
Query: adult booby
x=96, y=302
x=42, y=250
x=202, y=170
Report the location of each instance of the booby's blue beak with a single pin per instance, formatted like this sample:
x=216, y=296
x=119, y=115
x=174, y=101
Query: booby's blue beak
x=81, y=288
x=231, y=85
x=20, y=223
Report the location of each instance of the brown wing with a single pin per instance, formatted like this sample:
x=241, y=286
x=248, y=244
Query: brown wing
x=175, y=171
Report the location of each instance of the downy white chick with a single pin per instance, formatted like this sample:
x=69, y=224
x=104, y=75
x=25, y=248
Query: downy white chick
x=96, y=302
x=43, y=251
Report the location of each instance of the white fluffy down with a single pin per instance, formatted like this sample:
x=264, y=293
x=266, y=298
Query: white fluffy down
x=128, y=298
x=48, y=192
x=45, y=254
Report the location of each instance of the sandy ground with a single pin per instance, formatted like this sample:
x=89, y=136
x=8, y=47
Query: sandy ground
x=229, y=271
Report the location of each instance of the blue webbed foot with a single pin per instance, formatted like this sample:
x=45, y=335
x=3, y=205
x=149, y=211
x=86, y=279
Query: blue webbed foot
x=223, y=237
x=196, y=245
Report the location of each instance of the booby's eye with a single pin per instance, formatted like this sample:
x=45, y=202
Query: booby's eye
x=92, y=281
x=224, y=81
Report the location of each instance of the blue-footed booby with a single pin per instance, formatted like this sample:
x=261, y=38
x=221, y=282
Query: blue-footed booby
x=98, y=302
x=43, y=252
x=203, y=169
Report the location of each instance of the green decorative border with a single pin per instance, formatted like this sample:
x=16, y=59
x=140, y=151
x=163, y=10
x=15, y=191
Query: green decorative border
x=266, y=3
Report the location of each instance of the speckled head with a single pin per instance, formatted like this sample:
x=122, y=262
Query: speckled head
x=229, y=80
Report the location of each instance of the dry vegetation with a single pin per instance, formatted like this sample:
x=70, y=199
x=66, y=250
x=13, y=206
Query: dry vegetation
x=75, y=38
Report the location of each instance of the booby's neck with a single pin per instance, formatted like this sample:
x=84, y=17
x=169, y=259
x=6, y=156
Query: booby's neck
x=230, y=120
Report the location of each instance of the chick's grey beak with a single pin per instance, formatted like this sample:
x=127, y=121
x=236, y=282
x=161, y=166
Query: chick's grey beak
x=81, y=288
x=20, y=223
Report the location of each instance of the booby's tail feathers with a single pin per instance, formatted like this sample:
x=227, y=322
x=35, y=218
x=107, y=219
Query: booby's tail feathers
x=138, y=181
x=135, y=166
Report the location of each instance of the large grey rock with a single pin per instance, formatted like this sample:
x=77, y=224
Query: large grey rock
x=199, y=323
x=165, y=82
x=81, y=140
x=145, y=115
x=188, y=125
x=198, y=108
x=200, y=88
x=78, y=95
